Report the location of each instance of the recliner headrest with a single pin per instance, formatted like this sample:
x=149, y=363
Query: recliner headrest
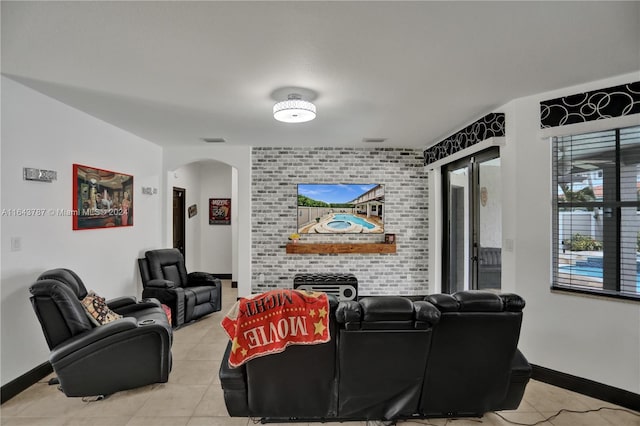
x=167, y=264
x=476, y=301
x=67, y=277
x=56, y=303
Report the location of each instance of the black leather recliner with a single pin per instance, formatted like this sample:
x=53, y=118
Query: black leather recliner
x=189, y=295
x=382, y=355
x=92, y=360
x=474, y=363
x=300, y=384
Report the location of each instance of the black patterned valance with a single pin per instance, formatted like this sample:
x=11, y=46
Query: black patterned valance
x=611, y=102
x=491, y=125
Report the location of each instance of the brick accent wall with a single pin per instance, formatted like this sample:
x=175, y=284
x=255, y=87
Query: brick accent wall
x=275, y=175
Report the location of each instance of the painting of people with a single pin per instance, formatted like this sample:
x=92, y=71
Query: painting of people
x=102, y=198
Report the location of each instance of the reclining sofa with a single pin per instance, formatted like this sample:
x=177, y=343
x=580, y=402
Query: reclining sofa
x=392, y=358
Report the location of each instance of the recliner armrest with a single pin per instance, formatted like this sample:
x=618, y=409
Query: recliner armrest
x=519, y=377
x=232, y=378
x=348, y=311
x=201, y=278
x=386, y=308
x=426, y=312
x=135, y=307
x=120, y=302
x=512, y=302
x=520, y=364
x=160, y=283
x=234, y=386
x=94, y=335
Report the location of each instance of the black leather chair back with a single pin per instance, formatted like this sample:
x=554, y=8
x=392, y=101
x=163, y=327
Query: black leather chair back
x=143, y=267
x=59, y=311
x=472, y=349
x=273, y=381
x=382, y=355
x=67, y=277
x=167, y=264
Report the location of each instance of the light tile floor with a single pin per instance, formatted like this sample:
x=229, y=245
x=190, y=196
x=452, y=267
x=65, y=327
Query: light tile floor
x=193, y=396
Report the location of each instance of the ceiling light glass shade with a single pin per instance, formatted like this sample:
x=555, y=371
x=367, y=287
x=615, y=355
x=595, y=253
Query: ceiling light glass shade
x=294, y=110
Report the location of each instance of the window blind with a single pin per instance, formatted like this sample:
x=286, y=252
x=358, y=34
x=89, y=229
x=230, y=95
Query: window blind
x=595, y=217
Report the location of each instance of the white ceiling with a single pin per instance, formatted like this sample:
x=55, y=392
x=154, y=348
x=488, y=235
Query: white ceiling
x=412, y=72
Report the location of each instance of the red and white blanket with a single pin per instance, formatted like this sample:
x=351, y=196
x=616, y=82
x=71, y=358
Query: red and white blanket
x=267, y=323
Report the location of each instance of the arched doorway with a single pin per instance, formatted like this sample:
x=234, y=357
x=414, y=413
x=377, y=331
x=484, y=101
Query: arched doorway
x=207, y=246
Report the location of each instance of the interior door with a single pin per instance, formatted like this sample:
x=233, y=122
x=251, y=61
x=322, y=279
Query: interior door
x=473, y=219
x=179, y=206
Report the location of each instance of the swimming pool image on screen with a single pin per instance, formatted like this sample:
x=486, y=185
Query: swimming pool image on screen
x=340, y=208
x=343, y=221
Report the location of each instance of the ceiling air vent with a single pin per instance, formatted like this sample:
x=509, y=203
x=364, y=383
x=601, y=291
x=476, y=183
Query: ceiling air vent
x=214, y=140
x=374, y=140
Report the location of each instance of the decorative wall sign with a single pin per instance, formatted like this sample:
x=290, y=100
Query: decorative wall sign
x=193, y=210
x=39, y=175
x=491, y=125
x=219, y=211
x=101, y=198
x=600, y=104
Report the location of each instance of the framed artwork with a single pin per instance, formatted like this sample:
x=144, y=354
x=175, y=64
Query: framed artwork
x=219, y=211
x=390, y=238
x=101, y=198
x=193, y=210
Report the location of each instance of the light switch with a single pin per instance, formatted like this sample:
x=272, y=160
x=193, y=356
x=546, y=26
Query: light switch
x=508, y=244
x=16, y=244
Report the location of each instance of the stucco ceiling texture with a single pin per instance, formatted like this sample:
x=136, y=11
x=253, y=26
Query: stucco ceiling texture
x=410, y=72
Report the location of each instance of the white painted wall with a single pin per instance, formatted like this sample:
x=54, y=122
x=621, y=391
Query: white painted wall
x=216, y=249
x=238, y=157
x=41, y=132
x=593, y=338
x=491, y=213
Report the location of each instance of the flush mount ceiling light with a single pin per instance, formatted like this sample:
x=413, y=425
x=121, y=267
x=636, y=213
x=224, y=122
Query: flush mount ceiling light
x=294, y=110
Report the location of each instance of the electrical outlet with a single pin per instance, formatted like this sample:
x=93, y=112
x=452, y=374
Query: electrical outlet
x=261, y=278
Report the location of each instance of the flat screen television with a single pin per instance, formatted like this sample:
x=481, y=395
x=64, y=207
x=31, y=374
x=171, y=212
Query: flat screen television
x=339, y=208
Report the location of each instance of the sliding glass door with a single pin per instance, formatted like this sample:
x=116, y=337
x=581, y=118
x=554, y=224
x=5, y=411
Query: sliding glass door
x=473, y=219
